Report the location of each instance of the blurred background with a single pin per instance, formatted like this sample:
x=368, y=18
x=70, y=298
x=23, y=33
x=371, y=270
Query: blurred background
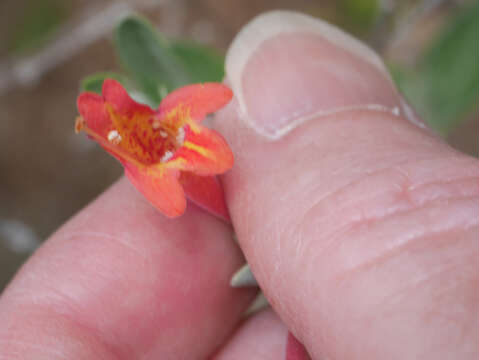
x=47, y=47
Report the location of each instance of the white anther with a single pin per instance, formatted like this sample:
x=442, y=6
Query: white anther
x=180, y=136
x=114, y=137
x=156, y=124
x=166, y=156
x=163, y=134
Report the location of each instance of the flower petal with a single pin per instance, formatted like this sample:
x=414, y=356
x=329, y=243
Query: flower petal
x=161, y=188
x=206, y=192
x=115, y=94
x=204, y=152
x=91, y=108
x=198, y=99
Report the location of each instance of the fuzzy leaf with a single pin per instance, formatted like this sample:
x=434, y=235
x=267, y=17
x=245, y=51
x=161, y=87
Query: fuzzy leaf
x=94, y=82
x=203, y=63
x=149, y=59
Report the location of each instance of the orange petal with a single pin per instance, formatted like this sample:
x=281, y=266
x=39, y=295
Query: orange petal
x=91, y=108
x=198, y=99
x=206, y=192
x=114, y=94
x=204, y=152
x=161, y=188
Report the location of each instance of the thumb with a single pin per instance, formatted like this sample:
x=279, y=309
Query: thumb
x=359, y=225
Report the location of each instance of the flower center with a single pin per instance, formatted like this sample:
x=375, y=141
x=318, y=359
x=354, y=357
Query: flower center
x=146, y=138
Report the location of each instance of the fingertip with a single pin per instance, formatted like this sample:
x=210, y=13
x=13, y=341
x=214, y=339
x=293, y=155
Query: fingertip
x=322, y=146
x=286, y=68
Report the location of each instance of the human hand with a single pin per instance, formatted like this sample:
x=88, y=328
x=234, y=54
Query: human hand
x=358, y=224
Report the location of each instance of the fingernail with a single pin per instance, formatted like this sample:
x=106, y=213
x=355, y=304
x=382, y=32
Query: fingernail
x=286, y=68
x=295, y=350
x=243, y=278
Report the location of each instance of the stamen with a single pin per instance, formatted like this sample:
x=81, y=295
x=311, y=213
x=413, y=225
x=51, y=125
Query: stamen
x=180, y=136
x=156, y=124
x=163, y=134
x=166, y=156
x=114, y=137
x=117, y=150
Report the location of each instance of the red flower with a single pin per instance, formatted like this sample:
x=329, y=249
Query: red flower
x=166, y=153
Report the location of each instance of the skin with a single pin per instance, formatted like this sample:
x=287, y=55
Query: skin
x=371, y=253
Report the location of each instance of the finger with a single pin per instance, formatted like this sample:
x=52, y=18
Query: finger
x=261, y=337
x=121, y=281
x=359, y=225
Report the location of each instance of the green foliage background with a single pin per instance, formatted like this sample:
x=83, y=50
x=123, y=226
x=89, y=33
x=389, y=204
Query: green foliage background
x=444, y=87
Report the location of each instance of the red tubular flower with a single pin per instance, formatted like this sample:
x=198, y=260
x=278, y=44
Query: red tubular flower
x=166, y=153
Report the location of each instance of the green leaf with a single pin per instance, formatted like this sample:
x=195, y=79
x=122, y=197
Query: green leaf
x=149, y=59
x=94, y=82
x=450, y=71
x=203, y=63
